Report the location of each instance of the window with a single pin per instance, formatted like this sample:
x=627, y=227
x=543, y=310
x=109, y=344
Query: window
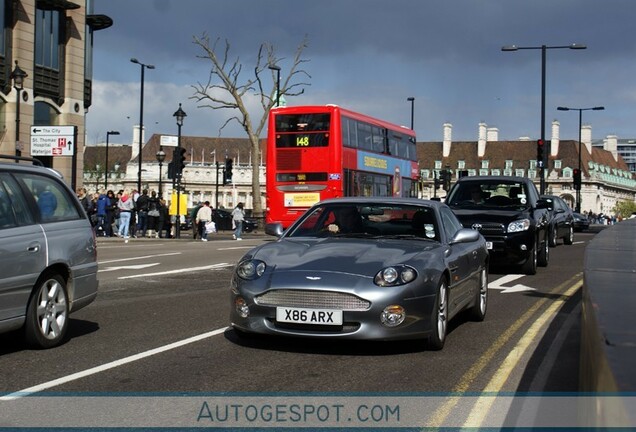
x=450, y=222
x=13, y=207
x=438, y=165
x=496, y=172
x=461, y=164
x=567, y=172
x=483, y=172
x=533, y=164
x=53, y=200
x=485, y=164
x=425, y=173
x=47, y=38
x=557, y=164
x=508, y=164
x=519, y=172
x=532, y=173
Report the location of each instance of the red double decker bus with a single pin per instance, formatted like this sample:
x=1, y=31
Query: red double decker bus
x=320, y=152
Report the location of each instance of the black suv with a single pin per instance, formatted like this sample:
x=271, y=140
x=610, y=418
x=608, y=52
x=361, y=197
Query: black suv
x=510, y=215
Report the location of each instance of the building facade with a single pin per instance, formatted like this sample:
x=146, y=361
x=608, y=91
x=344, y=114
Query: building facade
x=606, y=178
x=46, y=51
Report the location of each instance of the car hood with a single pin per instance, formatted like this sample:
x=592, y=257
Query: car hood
x=354, y=256
x=469, y=217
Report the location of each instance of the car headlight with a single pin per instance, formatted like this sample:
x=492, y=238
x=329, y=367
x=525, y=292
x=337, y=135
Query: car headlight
x=518, y=226
x=395, y=275
x=250, y=269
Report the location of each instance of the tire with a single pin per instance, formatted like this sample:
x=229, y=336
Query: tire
x=439, y=318
x=530, y=266
x=478, y=311
x=47, y=313
x=544, y=252
x=569, y=239
x=554, y=241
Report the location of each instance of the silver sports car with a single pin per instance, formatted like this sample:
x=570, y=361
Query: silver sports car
x=363, y=268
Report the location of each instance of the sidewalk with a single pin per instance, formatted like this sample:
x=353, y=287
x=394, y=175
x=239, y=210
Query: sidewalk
x=187, y=236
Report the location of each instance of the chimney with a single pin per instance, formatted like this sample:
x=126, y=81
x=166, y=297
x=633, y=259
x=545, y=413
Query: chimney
x=446, y=144
x=135, y=141
x=611, y=145
x=481, y=142
x=554, y=142
x=586, y=137
x=492, y=134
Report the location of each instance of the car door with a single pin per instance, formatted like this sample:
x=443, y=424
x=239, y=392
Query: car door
x=22, y=251
x=460, y=260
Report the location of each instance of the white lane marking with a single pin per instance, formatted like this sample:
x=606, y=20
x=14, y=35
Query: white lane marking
x=130, y=267
x=507, y=279
x=236, y=248
x=139, y=257
x=111, y=365
x=177, y=271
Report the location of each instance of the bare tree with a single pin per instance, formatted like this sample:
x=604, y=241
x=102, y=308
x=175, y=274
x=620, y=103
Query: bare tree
x=225, y=90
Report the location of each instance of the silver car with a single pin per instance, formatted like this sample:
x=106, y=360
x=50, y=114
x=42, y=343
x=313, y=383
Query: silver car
x=363, y=268
x=48, y=253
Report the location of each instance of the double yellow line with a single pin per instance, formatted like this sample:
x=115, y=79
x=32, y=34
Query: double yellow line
x=496, y=383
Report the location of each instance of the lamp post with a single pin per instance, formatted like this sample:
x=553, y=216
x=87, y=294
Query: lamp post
x=179, y=115
x=141, y=117
x=18, y=76
x=412, y=100
x=161, y=156
x=580, y=110
x=277, y=69
x=543, y=49
x=108, y=134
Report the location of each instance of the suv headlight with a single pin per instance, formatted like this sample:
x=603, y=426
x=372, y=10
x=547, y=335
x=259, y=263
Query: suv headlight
x=250, y=269
x=518, y=226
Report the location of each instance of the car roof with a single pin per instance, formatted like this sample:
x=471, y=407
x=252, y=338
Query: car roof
x=382, y=200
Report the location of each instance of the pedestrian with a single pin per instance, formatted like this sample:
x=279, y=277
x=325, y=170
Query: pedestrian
x=193, y=217
x=164, y=220
x=103, y=204
x=126, y=207
x=112, y=213
x=238, y=216
x=204, y=215
x=153, y=227
x=142, y=212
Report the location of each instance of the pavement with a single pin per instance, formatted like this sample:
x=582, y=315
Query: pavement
x=186, y=235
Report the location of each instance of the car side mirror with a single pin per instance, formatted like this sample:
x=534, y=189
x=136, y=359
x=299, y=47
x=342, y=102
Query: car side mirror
x=274, y=229
x=465, y=235
x=544, y=204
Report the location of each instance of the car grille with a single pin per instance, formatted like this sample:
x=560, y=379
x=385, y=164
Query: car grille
x=488, y=228
x=312, y=299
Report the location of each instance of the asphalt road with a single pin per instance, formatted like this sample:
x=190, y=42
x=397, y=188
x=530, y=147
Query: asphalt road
x=160, y=325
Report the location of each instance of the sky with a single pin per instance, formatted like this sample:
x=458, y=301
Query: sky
x=370, y=56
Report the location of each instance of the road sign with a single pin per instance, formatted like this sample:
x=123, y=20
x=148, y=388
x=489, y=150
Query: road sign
x=168, y=141
x=53, y=140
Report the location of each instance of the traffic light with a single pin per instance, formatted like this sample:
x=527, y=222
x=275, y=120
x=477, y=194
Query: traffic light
x=576, y=173
x=179, y=160
x=227, y=174
x=171, y=170
x=540, y=152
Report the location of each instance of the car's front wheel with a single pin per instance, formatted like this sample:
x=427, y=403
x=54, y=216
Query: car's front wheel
x=478, y=311
x=530, y=266
x=569, y=238
x=439, y=318
x=544, y=252
x=554, y=241
x=47, y=313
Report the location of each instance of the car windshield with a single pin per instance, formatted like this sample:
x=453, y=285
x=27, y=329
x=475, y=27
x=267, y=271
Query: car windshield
x=493, y=194
x=368, y=221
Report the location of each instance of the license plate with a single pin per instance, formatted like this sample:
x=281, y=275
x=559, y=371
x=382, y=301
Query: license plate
x=488, y=245
x=309, y=316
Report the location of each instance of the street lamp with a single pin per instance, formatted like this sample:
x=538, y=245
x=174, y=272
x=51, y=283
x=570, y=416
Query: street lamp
x=277, y=69
x=580, y=110
x=179, y=115
x=108, y=134
x=543, y=49
x=18, y=76
x=161, y=156
x=412, y=100
x=141, y=116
